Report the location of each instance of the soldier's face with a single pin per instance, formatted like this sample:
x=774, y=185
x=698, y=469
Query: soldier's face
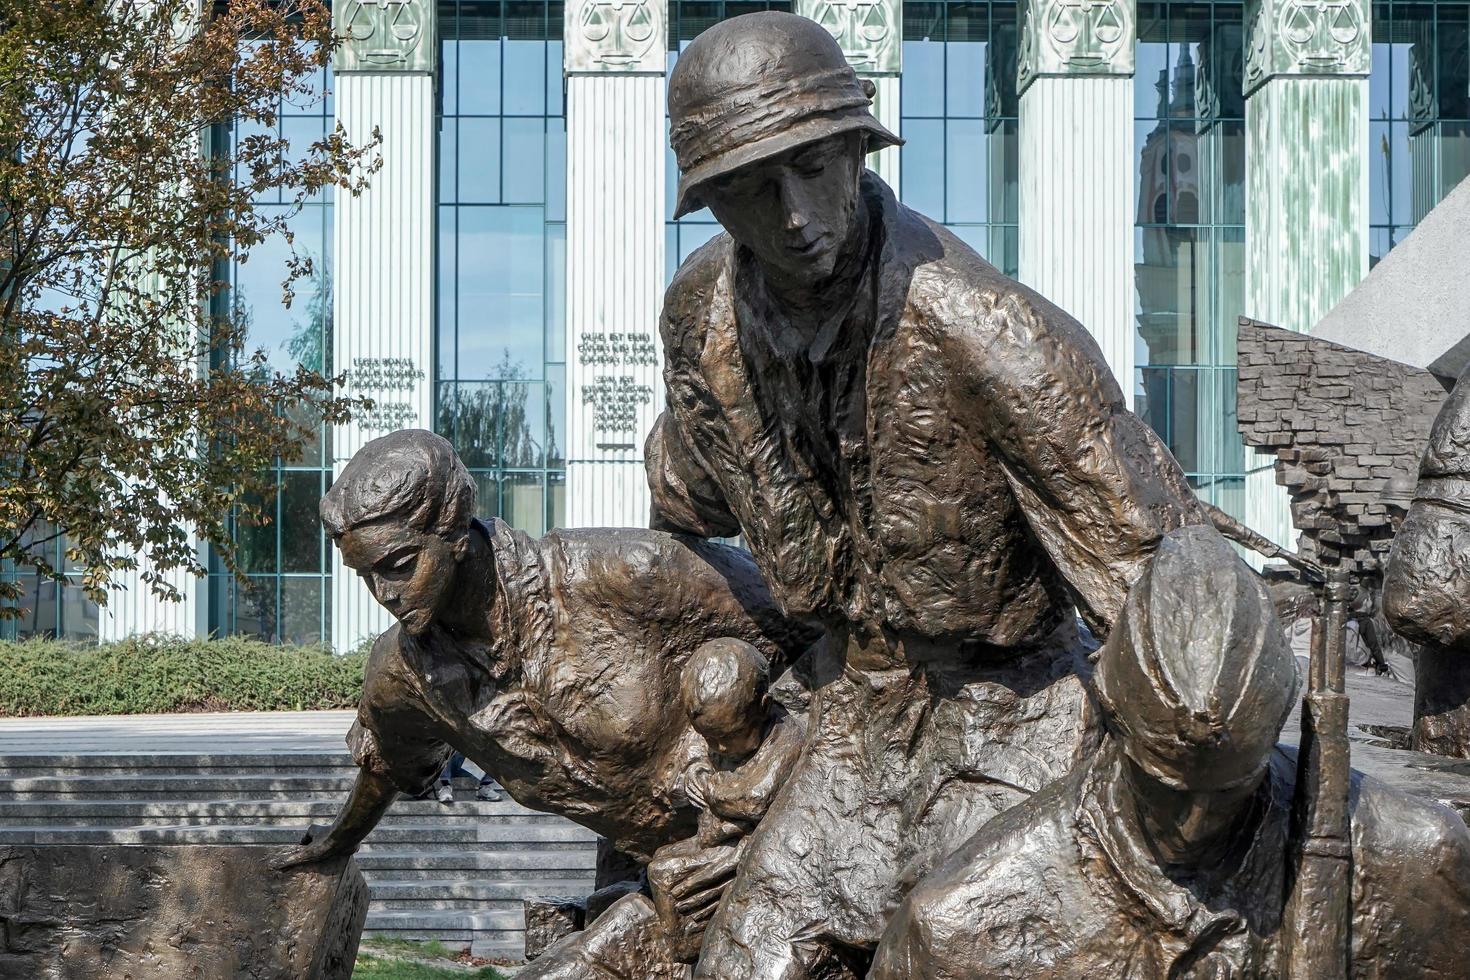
x=1186, y=827
x=794, y=211
x=410, y=573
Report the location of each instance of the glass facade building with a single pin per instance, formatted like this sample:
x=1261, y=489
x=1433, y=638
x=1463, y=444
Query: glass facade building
x=500, y=367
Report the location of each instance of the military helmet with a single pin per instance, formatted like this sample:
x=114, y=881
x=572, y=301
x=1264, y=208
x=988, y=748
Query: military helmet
x=757, y=85
x=1196, y=678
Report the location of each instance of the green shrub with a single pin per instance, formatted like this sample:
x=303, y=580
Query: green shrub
x=158, y=674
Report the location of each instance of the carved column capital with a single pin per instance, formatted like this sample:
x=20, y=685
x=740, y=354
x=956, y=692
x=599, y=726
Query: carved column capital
x=1323, y=38
x=870, y=32
x=1075, y=37
x=629, y=36
x=385, y=35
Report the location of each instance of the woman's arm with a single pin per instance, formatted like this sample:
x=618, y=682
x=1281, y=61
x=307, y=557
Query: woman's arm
x=371, y=796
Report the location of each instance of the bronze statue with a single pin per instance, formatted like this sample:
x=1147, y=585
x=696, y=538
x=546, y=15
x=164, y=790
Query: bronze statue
x=926, y=458
x=553, y=664
x=1427, y=586
x=1171, y=852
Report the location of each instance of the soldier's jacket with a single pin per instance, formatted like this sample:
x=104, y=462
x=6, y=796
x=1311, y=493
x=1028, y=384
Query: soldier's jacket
x=1058, y=889
x=954, y=462
x=573, y=708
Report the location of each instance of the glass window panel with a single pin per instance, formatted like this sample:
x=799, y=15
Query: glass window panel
x=479, y=75
x=523, y=423
x=448, y=70
x=255, y=544
x=556, y=286
x=1379, y=85
x=1452, y=62
x=523, y=503
x=556, y=501
x=1380, y=156
x=1151, y=149
x=311, y=451
x=301, y=529
x=447, y=300
x=1455, y=167
x=501, y=306
x=922, y=91
x=255, y=607
x=479, y=161
x=39, y=605
x=448, y=160
x=965, y=78
x=923, y=20
x=487, y=495
x=966, y=179
x=477, y=407
x=301, y=610
x=525, y=67
x=79, y=614
x=556, y=170
x=555, y=80
x=1400, y=173
x=556, y=416
x=921, y=171
x=1184, y=174
x=525, y=161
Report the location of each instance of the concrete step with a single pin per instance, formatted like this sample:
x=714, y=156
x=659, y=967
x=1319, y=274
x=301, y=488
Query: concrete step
x=135, y=764
x=490, y=925
x=190, y=786
x=460, y=895
x=562, y=863
x=114, y=812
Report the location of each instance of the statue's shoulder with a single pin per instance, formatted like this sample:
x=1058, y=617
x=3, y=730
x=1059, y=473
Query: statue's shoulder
x=1392, y=829
x=699, y=291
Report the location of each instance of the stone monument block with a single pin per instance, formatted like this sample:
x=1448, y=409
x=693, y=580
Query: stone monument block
x=549, y=920
x=170, y=912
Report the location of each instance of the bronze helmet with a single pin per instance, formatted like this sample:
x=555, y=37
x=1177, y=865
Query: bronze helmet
x=1196, y=679
x=755, y=86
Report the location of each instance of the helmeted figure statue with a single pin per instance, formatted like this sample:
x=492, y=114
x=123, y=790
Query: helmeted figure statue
x=925, y=457
x=1170, y=852
x=1426, y=591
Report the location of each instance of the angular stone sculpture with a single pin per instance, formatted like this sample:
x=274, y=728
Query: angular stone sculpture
x=213, y=912
x=1172, y=852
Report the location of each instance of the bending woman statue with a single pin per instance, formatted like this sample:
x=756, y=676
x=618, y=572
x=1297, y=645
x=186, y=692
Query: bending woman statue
x=553, y=664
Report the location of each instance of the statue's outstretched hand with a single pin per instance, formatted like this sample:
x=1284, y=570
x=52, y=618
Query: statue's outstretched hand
x=316, y=846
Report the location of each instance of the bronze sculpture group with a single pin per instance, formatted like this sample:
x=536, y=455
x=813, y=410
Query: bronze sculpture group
x=884, y=743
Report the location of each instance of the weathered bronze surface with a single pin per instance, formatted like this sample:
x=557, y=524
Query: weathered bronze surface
x=1427, y=588
x=216, y=912
x=885, y=706
x=1174, y=852
x=927, y=459
x=553, y=664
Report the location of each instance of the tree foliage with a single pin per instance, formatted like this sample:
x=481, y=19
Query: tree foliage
x=131, y=410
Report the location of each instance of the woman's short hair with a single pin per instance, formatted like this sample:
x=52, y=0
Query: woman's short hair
x=410, y=475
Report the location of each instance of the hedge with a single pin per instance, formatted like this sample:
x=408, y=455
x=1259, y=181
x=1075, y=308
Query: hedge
x=153, y=675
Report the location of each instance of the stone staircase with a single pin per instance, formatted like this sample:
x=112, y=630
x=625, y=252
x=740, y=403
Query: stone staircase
x=457, y=873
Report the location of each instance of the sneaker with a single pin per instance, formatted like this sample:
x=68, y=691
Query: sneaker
x=444, y=794
x=487, y=793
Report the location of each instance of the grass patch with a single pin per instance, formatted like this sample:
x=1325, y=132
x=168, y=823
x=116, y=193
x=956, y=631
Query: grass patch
x=375, y=967
x=160, y=674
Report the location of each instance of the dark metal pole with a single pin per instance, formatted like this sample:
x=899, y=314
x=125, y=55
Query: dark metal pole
x=1320, y=905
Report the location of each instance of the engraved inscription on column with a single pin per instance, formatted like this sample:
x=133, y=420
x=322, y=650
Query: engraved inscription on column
x=617, y=398
x=385, y=380
x=1306, y=37
x=384, y=35
x=1075, y=37
x=870, y=32
x=615, y=35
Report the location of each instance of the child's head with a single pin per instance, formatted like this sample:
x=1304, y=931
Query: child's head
x=400, y=513
x=725, y=693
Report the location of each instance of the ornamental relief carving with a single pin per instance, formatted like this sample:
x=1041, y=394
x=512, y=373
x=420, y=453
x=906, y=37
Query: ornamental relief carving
x=384, y=35
x=616, y=35
x=1075, y=37
x=1307, y=37
x=870, y=32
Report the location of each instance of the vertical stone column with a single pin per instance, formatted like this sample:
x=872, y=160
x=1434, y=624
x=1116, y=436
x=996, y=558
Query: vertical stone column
x=1306, y=118
x=615, y=55
x=383, y=248
x=870, y=33
x=1075, y=77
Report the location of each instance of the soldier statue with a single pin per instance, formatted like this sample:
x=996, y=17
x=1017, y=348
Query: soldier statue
x=926, y=459
x=1171, y=852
